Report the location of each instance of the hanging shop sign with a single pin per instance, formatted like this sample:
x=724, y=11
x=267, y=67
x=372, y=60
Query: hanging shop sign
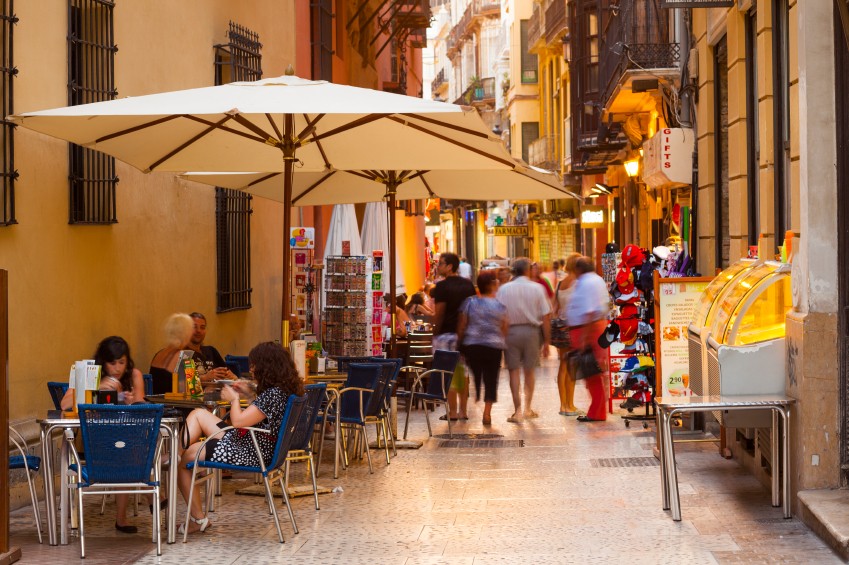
x=516, y=231
x=668, y=158
x=592, y=217
x=675, y=302
x=696, y=3
x=302, y=238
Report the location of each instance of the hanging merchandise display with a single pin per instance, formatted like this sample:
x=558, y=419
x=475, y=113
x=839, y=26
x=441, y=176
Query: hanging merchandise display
x=302, y=273
x=377, y=328
x=349, y=305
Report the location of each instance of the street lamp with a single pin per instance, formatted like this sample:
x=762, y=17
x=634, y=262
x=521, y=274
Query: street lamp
x=632, y=168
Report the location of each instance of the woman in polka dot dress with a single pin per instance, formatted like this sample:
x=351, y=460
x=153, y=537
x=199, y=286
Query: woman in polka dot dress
x=276, y=378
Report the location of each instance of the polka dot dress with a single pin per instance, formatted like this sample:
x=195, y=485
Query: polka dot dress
x=236, y=447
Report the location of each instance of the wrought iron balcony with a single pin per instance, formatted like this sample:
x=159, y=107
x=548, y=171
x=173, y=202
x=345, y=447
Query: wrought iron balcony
x=534, y=26
x=555, y=20
x=636, y=39
x=486, y=8
x=542, y=153
x=459, y=33
x=438, y=82
x=479, y=93
x=412, y=14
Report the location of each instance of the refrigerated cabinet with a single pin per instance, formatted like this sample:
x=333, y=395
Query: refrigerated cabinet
x=745, y=346
x=705, y=311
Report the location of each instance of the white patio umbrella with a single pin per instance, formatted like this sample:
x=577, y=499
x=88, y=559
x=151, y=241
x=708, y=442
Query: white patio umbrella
x=333, y=186
x=343, y=227
x=375, y=235
x=271, y=124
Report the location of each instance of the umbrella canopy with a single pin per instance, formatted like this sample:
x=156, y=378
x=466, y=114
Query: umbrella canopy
x=343, y=227
x=269, y=125
x=375, y=235
x=333, y=187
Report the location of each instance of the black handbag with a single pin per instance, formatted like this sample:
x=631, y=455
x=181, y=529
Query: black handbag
x=560, y=334
x=583, y=364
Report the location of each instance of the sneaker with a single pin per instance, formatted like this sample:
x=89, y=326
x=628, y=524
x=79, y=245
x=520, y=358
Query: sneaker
x=631, y=403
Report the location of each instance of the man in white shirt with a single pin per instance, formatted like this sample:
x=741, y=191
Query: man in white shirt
x=465, y=270
x=528, y=312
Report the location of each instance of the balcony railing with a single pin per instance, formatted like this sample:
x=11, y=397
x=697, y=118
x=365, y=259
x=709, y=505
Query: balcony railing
x=437, y=82
x=637, y=37
x=542, y=153
x=534, y=26
x=555, y=20
x=482, y=93
x=459, y=32
x=486, y=8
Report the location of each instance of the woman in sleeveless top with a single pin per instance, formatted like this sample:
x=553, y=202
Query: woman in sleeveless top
x=565, y=382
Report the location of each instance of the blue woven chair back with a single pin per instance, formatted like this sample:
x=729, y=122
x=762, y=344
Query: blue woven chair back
x=148, y=383
x=343, y=361
x=286, y=434
x=444, y=361
x=389, y=374
x=57, y=392
x=242, y=361
x=119, y=441
x=363, y=375
x=315, y=393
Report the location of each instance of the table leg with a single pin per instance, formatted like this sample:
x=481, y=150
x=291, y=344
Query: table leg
x=171, y=518
x=785, y=459
x=49, y=491
x=664, y=480
x=64, y=514
x=776, y=470
x=671, y=471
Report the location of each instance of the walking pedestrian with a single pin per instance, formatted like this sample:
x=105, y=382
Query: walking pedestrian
x=587, y=311
x=448, y=296
x=565, y=382
x=528, y=314
x=482, y=331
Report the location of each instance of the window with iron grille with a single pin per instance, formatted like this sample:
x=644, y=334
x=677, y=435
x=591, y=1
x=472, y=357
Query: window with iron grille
x=529, y=60
x=8, y=72
x=91, y=78
x=238, y=60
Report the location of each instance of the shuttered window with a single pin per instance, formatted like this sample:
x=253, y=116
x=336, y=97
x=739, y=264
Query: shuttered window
x=7, y=74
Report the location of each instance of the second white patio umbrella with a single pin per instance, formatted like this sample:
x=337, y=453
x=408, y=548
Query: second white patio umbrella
x=375, y=235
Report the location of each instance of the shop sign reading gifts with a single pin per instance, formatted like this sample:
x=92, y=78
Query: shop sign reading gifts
x=668, y=159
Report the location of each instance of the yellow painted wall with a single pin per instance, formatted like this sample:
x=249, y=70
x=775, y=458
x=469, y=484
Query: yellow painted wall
x=70, y=286
x=523, y=99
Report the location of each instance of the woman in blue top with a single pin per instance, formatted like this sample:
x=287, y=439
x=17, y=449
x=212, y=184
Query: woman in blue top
x=276, y=378
x=482, y=330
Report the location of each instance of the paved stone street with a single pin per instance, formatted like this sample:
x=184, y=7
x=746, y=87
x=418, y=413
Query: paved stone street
x=552, y=501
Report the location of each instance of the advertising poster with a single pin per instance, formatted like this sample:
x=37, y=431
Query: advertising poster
x=302, y=238
x=675, y=302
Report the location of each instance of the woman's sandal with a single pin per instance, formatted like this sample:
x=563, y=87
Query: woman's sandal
x=203, y=522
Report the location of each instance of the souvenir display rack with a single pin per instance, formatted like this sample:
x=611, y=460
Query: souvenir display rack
x=377, y=303
x=348, y=305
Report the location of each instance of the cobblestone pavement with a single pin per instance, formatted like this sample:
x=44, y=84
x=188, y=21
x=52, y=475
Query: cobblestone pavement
x=553, y=500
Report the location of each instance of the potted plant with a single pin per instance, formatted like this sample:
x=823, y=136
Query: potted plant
x=477, y=86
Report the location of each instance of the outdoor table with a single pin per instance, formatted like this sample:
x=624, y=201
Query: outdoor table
x=669, y=406
x=54, y=421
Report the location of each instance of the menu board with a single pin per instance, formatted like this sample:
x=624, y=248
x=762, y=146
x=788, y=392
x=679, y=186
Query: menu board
x=675, y=301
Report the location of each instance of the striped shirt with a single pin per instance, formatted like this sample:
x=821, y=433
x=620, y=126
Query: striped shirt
x=525, y=300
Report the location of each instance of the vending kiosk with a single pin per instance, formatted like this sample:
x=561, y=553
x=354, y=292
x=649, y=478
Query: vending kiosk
x=703, y=315
x=745, y=346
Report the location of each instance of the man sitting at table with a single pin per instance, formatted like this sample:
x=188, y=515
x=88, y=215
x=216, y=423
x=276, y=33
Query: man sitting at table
x=208, y=360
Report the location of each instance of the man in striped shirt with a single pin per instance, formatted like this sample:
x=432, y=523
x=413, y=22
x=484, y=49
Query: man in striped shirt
x=528, y=312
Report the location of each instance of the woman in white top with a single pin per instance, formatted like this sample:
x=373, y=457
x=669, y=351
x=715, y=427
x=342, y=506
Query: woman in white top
x=565, y=382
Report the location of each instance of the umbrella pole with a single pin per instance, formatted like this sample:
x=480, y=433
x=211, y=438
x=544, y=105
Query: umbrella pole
x=288, y=147
x=391, y=188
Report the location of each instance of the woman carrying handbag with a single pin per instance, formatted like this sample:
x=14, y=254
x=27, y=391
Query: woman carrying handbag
x=560, y=338
x=587, y=312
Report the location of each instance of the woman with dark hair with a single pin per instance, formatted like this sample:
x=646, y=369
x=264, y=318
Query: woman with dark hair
x=276, y=378
x=417, y=307
x=117, y=373
x=482, y=330
x=401, y=317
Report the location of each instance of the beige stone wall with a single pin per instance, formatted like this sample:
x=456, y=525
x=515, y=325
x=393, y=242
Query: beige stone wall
x=70, y=286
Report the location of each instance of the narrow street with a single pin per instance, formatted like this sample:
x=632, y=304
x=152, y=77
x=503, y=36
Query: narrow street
x=574, y=493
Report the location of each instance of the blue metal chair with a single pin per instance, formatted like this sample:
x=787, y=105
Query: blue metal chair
x=148, y=384
x=391, y=368
x=302, y=444
x=355, y=399
x=273, y=470
x=122, y=446
x=30, y=465
x=439, y=381
x=242, y=362
x=57, y=393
